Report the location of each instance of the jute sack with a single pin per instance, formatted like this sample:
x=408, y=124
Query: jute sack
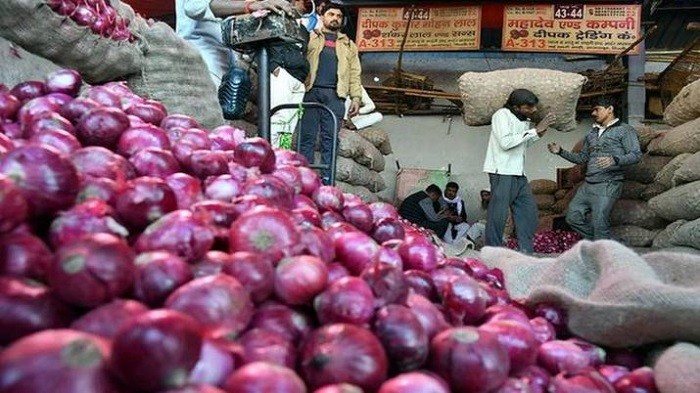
x=646, y=169
x=544, y=201
x=632, y=189
x=663, y=239
x=543, y=186
x=609, y=292
x=348, y=143
x=17, y=65
x=35, y=27
x=562, y=205
x=376, y=182
x=349, y=171
x=365, y=194
x=665, y=175
x=682, y=202
x=174, y=73
x=688, y=171
x=652, y=190
x=635, y=212
x=687, y=234
x=685, y=105
x=483, y=93
x=378, y=137
x=633, y=236
x=370, y=156
x=677, y=369
x=646, y=134
x=684, y=138
x=560, y=193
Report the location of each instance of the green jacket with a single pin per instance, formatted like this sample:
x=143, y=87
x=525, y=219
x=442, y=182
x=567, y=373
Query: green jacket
x=349, y=69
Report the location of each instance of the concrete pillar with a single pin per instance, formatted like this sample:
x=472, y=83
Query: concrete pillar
x=636, y=92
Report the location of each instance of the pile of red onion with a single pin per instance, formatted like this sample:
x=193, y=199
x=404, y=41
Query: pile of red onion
x=142, y=253
x=549, y=242
x=97, y=15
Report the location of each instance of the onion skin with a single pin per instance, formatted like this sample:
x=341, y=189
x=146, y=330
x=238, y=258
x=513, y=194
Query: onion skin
x=264, y=377
x=403, y=337
x=414, y=382
x=106, y=320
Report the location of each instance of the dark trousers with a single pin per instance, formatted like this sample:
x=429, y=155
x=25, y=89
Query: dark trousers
x=511, y=193
x=318, y=119
x=589, y=211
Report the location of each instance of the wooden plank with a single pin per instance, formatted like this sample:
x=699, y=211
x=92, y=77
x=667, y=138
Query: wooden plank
x=406, y=90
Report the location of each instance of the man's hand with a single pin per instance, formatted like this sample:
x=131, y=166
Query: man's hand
x=278, y=6
x=354, y=108
x=604, y=162
x=546, y=121
x=554, y=148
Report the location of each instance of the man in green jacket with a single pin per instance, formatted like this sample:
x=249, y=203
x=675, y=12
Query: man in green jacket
x=334, y=75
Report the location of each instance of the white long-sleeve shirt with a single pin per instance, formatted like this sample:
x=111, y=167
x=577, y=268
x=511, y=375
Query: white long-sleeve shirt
x=196, y=23
x=508, y=143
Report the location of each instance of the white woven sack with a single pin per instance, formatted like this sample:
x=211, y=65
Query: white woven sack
x=483, y=93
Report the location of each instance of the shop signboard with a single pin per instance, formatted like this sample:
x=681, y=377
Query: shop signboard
x=571, y=28
x=440, y=28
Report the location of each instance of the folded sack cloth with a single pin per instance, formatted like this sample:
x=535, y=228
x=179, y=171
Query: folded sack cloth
x=613, y=296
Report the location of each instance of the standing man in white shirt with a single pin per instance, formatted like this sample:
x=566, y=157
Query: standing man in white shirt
x=511, y=134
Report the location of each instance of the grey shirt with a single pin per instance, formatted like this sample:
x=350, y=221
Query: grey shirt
x=619, y=141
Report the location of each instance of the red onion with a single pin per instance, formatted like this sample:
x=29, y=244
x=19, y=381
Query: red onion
x=187, y=189
x=204, y=163
x=347, y=300
x=98, y=188
x=584, y=381
x=158, y=274
x=56, y=361
x=60, y=140
x=215, y=363
x=108, y=95
x=414, y=382
x=64, y=81
x=403, y=337
x=517, y=338
x=310, y=181
x=28, y=90
x=317, y=243
x=9, y=105
x=555, y=315
x=544, y=331
x=536, y=377
x=338, y=387
x=96, y=161
x=359, y=215
x=106, y=320
x=336, y=271
x=561, y=356
x=290, y=175
x=222, y=188
x=261, y=345
x=75, y=109
x=24, y=255
x=387, y=283
x=28, y=307
x=282, y=319
x=92, y=270
x=47, y=121
x=355, y=250
x=328, y=198
x=612, y=373
x=254, y=272
x=143, y=201
x=264, y=230
x=290, y=157
x=264, y=377
x=156, y=350
x=149, y=113
x=226, y=137
x=180, y=232
x=418, y=254
x=183, y=121
x=596, y=354
x=465, y=348
x=299, y=279
x=640, y=380
x=46, y=178
x=255, y=152
x=332, y=354
x=102, y=127
x=383, y=210
x=92, y=216
x=141, y=137
x=154, y=161
x=464, y=300
x=276, y=192
x=211, y=264
x=421, y=283
x=219, y=303
x=13, y=206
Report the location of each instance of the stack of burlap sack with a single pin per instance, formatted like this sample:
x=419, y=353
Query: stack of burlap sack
x=157, y=64
x=361, y=161
x=547, y=194
x=617, y=298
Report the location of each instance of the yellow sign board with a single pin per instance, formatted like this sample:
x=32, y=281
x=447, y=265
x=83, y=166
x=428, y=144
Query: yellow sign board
x=571, y=28
x=432, y=28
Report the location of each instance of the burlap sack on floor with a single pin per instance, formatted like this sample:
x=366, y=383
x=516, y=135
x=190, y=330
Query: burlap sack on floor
x=663, y=239
x=646, y=134
x=610, y=293
x=349, y=171
x=376, y=182
x=562, y=205
x=665, y=175
x=378, y=137
x=635, y=212
x=483, y=93
x=684, y=138
x=543, y=186
x=349, y=143
x=370, y=156
x=646, y=169
x=174, y=73
x=677, y=370
x=685, y=105
x=365, y=194
x=560, y=193
x=632, y=189
x=633, y=236
x=688, y=171
x=652, y=190
x=687, y=235
x=544, y=201
x=682, y=202
x=35, y=27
